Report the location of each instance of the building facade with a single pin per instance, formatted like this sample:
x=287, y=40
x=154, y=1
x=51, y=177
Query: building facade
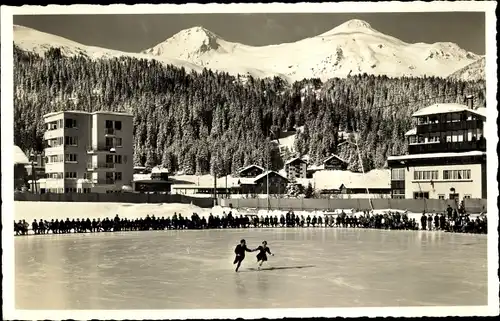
x=334, y=162
x=87, y=152
x=296, y=168
x=251, y=171
x=446, y=155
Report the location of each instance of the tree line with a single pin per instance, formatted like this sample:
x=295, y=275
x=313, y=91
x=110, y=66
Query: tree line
x=213, y=122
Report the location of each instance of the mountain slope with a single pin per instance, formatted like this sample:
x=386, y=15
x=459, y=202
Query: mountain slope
x=472, y=72
x=352, y=48
x=40, y=42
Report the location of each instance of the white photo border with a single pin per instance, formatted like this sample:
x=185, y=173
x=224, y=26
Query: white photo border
x=8, y=261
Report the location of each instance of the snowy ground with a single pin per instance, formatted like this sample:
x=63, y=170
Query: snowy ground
x=193, y=269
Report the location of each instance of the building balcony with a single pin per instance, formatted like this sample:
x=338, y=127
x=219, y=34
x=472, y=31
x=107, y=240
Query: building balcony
x=451, y=126
x=100, y=166
x=94, y=149
x=479, y=145
x=53, y=133
x=104, y=181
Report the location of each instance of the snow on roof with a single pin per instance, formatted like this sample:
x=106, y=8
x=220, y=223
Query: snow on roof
x=265, y=173
x=294, y=159
x=102, y=112
x=19, y=156
x=316, y=167
x=158, y=169
x=482, y=111
x=412, y=131
x=436, y=155
x=334, y=156
x=379, y=178
x=443, y=109
x=250, y=166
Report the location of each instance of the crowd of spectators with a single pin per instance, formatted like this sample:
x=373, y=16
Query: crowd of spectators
x=451, y=221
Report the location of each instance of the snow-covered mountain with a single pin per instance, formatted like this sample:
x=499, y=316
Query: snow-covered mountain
x=39, y=42
x=354, y=47
x=472, y=72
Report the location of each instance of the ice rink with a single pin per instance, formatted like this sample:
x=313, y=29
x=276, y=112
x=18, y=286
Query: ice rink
x=317, y=267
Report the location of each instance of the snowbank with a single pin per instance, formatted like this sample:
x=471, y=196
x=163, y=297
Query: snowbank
x=62, y=210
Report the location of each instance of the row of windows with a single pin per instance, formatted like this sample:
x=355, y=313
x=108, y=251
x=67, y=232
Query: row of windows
x=471, y=135
x=117, y=176
x=113, y=124
x=425, y=175
x=66, y=141
x=425, y=195
x=447, y=118
x=68, y=190
x=398, y=174
x=113, y=142
x=457, y=174
x=72, y=158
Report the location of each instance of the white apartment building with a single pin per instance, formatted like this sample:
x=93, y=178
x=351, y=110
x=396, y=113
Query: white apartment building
x=87, y=152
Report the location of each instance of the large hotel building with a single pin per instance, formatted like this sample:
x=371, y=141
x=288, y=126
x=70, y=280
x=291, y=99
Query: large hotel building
x=446, y=155
x=87, y=152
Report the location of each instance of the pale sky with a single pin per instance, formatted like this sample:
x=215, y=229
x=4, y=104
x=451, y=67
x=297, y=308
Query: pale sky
x=134, y=33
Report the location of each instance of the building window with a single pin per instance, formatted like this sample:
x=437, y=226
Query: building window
x=118, y=176
x=71, y=140
x=398, y=174
x=70, y=175
x=441, y=196
x=70, y=190
x=118, y=142
x=70, y=158
x=109, y=142
x=109, y=159
x=454, y=196
x=467, y=196
x=425, y=175
x=118, y=159
x=54, y=175
x=457, y=174
x=55, y=159
x=109, y=124
x=118, y=125
x=70, y=123
x=420, y=195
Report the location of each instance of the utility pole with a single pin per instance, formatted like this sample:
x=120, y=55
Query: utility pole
x=361, y=164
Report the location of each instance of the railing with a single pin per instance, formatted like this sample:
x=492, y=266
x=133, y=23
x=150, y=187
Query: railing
x=100, y=165
x=100, y=148
x=109, y=131
x=453, y=126
x=447, y=147
x=103, y=181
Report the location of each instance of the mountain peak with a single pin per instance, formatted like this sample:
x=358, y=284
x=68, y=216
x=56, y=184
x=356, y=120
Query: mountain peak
x=354, y=25
x=188, y=43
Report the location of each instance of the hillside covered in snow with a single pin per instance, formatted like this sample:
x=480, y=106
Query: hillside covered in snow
x=352, y=48
x=473, y=72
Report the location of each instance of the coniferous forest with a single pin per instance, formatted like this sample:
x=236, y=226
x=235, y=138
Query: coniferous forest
x=212, y=122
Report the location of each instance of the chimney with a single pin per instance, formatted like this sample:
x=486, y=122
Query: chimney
x=470, y=101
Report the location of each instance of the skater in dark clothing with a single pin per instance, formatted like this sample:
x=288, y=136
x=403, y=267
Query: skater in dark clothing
x=240, y=253
x=262, y=256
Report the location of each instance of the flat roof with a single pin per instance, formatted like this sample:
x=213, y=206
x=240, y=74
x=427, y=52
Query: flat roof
x=447, y=108
x=436, y=155
x=81, y=112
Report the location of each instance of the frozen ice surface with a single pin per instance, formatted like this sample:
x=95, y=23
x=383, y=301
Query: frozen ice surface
x=313, y=267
